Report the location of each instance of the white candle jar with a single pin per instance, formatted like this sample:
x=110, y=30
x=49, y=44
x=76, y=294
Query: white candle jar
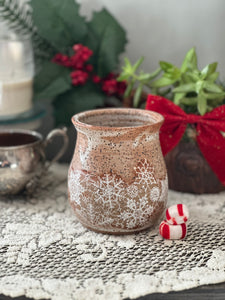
x=16, y=76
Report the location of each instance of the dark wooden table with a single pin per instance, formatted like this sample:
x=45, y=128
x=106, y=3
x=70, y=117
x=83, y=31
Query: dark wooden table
x=206, y=292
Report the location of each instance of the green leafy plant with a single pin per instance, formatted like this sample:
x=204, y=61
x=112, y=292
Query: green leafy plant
x=196, y=91
x=137, y=80
x=57, y=28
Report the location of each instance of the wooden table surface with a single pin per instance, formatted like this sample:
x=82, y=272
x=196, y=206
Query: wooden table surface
x=206, y=292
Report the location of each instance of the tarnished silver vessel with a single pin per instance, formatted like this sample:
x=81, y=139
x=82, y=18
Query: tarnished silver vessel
x=22, y=157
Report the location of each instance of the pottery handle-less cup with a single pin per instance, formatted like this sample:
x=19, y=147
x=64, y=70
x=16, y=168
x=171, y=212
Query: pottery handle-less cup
x=117, y=178
x=23, y=158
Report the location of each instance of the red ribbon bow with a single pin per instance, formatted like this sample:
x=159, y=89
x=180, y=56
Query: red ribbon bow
x=209, y=128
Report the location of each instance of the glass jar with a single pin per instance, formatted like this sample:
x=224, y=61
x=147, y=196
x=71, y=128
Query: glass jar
x=16, y=75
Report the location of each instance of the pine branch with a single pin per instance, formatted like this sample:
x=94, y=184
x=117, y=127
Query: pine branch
x=18, y=18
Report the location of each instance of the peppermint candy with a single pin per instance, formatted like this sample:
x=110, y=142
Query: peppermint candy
x=177, y=214
x=174, y=227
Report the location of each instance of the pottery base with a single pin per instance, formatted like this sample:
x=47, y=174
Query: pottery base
x=117, y=231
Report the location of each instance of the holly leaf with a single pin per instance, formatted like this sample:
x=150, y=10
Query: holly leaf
x=52, y=80
x=76, y=100
x=111, y=39
x=58, y=22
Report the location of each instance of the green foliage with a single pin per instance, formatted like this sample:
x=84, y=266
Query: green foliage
x=75, y=100
x=18, y=18
x=54, y=27
x=58, y=22
x=196, y=91
x=108, y=41
x=130, y=75
x=51, y=81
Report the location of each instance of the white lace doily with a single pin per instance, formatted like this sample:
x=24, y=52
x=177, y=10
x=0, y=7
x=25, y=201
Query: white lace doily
x=46, y=253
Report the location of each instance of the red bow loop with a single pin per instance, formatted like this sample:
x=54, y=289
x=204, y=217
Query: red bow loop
x=209, y=128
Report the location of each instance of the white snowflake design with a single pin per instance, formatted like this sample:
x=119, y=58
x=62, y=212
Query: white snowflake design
x=76, y=190
x=154, y=194
x=138, y=212
x=145, y=173
x=109, y=202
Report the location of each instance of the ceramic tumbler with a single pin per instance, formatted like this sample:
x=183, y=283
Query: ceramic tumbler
x=117, y=178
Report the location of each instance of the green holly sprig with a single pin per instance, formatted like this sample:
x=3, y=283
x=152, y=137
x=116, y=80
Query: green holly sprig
x=55, y=26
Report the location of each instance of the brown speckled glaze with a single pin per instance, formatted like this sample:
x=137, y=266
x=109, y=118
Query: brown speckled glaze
x=117, y=178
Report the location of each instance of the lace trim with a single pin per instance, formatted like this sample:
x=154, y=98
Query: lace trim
x=46, y=253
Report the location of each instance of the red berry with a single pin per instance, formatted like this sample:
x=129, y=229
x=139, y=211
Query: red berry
x=79, y=77
x=76, y=61
x=57, y=57
x=121, y=87
x=109, y=86
x=77, y=47
x=82, y=54
x=96, y=78
x=62, y=59
x=110, y=76
x=89, y=68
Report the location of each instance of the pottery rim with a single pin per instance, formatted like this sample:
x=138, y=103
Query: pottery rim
x=155, y=119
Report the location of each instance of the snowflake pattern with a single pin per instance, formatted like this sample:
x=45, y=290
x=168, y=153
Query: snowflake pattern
x=138, y=213
x=77, y=190
x=155, y=193
x=145, y=173
x=109, y=202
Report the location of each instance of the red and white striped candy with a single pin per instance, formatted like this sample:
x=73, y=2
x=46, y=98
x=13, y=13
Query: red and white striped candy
x=177, y=214
x=172, y=232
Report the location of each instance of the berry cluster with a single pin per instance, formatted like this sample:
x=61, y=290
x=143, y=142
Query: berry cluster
x=77, y=60
x=78, y=77
x=83, y=71
x=111, y=86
